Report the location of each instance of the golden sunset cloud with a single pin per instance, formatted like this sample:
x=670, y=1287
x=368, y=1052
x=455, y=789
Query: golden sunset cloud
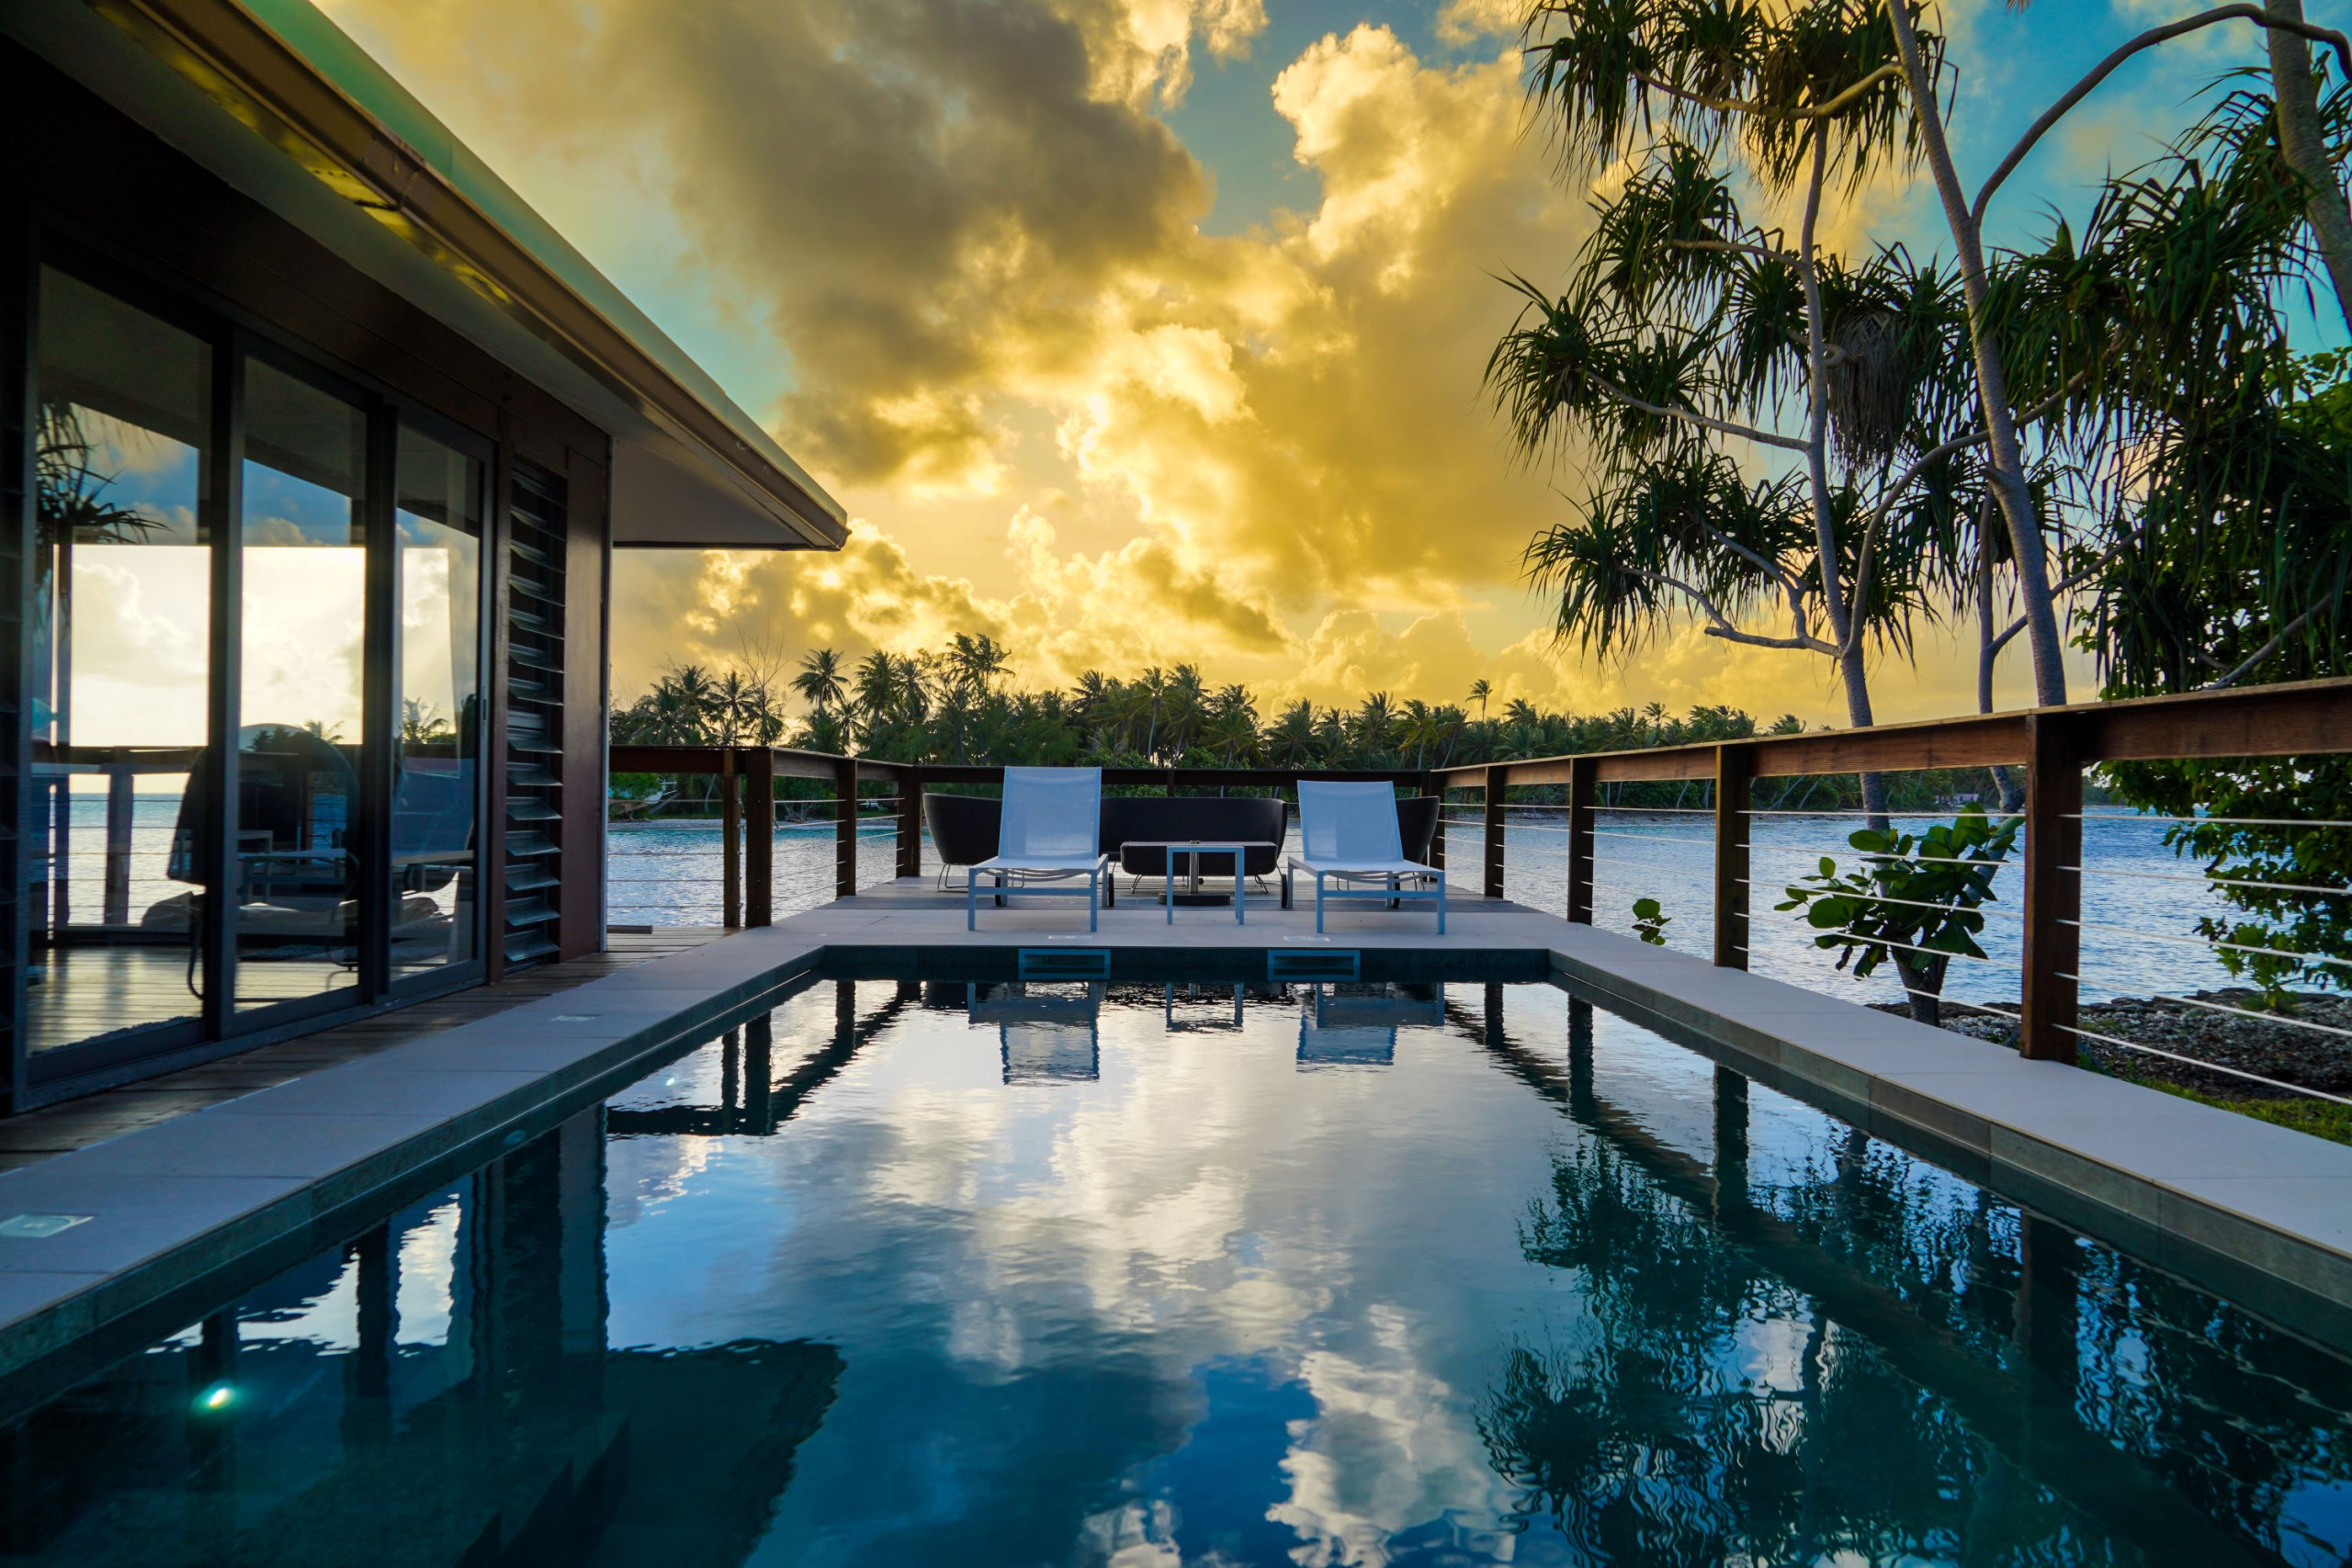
x=967, y=259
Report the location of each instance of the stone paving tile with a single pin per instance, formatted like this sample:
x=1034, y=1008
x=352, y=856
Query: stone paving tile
x=228, y=1141
x=132, y=1218
x=383, y=1089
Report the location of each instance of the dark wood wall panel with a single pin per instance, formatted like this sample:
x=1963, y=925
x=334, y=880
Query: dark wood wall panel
x=16, y=533
x=581, y=928
x=533, y=862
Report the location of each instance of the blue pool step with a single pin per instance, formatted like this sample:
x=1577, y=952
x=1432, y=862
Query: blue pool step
x=1065, y=964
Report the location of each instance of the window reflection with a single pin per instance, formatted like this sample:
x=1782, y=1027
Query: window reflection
x=299, y=654
x=120, y=596
x=438, y=706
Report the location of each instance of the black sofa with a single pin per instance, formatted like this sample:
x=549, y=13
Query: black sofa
x=964, y=828
x=1127, y=819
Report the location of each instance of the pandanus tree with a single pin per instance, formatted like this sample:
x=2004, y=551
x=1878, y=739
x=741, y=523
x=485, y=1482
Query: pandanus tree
x=2226, y=538
x=2303, y=151
x=1828, y=89
x=1776, y=438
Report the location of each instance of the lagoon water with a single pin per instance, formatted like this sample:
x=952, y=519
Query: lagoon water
x=668, y=874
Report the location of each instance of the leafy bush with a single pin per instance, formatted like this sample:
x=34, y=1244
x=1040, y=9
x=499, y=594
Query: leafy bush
x=1650, y=921
x=1916, y=901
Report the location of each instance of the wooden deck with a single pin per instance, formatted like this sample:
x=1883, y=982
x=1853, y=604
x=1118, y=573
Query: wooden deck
x=54, y=1130
x=84, y=992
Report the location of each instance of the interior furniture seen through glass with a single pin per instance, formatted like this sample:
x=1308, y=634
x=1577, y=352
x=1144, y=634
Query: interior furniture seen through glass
x=300, y=650
x=132, y=655
x=121, y=597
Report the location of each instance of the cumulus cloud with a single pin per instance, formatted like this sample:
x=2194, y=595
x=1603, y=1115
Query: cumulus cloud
x=1066, y=412
x=1466, y=21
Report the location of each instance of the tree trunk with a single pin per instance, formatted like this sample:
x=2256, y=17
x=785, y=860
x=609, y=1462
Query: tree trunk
x=1923, y=987
x=2305, y=147
x=2007, y=787
x=2004, y=452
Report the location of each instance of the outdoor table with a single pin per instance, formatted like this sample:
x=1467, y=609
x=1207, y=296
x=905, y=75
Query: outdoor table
x=1196, y=848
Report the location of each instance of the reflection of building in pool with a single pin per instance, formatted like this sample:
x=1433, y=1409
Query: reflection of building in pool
x=437, y=1394
x=1047, y=1034
x=750, y=1099
x=1356, y=1025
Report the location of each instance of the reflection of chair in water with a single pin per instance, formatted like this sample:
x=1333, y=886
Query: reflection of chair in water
x=1356, y=1025
x=1045, y=1036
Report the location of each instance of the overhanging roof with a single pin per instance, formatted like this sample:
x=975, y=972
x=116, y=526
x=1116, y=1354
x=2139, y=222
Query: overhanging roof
x=279, y=102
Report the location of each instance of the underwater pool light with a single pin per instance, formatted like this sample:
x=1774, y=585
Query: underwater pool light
x=218, y=1397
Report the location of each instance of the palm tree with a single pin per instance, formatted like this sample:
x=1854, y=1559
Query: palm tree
x=877, y=688
x=1291, y=741
x=819, y=682
x=974, y=662
x=1481, y=689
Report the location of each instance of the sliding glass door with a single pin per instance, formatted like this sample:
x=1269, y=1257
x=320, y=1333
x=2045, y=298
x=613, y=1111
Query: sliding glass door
x=256, y=656
x=300, y=643
x=120, y=583
x=436, y=721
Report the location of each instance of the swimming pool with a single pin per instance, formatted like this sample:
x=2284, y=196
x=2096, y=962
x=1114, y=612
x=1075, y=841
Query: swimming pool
x=1319, y=1274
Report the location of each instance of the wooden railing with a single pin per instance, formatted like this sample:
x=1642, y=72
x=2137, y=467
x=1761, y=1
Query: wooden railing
x=747, y=801
x=2051, y=746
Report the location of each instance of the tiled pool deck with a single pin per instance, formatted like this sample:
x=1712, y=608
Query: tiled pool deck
x=165, y=1216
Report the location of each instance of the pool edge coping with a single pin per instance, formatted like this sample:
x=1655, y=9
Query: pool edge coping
x=2262, y=1262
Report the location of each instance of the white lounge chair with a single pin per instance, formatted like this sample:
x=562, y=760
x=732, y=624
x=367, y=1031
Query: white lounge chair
x=1348, y=833
x=1051, y=831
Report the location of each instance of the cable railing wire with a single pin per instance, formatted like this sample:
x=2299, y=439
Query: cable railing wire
x=2201, y=1064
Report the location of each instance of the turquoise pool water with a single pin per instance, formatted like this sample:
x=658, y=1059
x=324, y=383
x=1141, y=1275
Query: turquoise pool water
x=917, y=1273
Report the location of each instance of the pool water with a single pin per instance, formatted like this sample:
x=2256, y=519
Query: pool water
x=931, y=1273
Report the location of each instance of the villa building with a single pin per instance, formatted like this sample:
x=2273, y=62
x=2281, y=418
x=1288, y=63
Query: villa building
x=319, y=444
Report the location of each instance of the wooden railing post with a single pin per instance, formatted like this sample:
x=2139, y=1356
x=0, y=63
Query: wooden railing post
x=845, y=827
x=2053, y=856
x=1495, y=787
x=1581, y=782
x=1735, y=767
x=730, y=855
x=1434, y=783
x=911, y=821
x=759, y=866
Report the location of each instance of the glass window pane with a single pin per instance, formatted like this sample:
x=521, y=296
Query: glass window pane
x=437, y=781
x=299, y=653
x=121, y=592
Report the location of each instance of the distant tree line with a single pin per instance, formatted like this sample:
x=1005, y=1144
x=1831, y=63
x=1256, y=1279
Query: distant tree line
x=960, y=705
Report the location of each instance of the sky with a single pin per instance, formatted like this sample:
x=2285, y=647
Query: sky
x=1148, y=331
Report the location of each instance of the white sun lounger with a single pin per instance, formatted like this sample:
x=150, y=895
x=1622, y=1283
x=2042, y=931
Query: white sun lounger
x=1348, y=833
x=1051, y=832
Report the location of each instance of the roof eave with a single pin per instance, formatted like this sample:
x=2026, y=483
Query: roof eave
x=240, y=63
